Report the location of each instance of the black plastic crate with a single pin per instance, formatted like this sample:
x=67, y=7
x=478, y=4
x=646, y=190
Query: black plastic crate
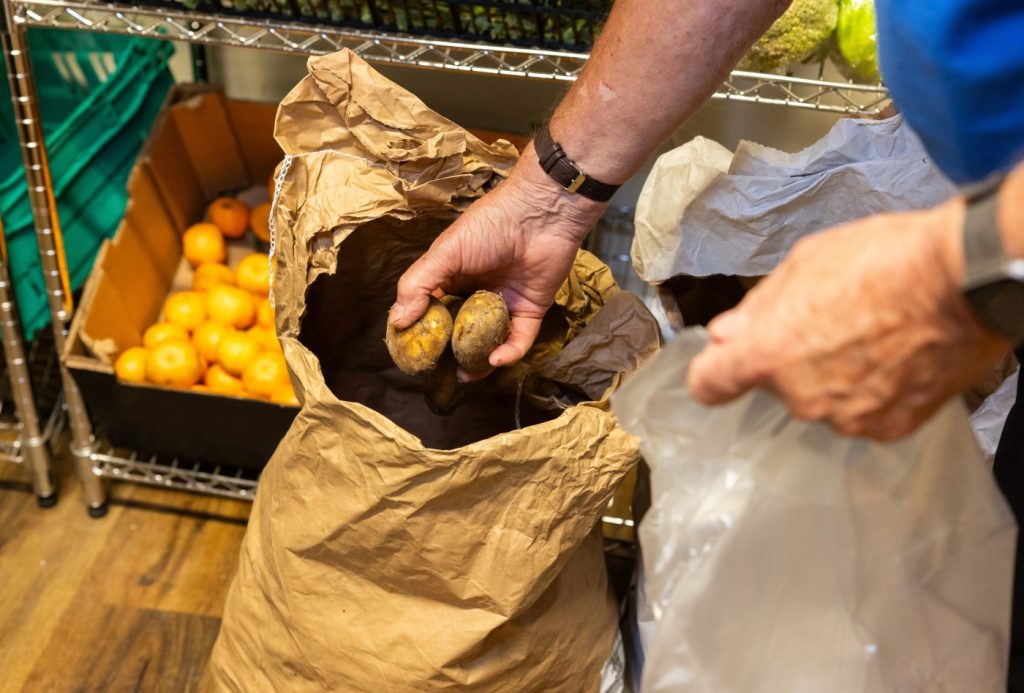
x=556, y=24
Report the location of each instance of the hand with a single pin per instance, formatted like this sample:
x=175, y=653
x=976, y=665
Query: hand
x=862, y=326
x=519, y=240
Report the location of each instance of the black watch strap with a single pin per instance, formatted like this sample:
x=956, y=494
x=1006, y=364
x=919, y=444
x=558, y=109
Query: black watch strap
x=566, y=173
x=994, y=281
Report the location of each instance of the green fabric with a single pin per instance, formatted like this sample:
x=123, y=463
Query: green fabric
x=95, y=124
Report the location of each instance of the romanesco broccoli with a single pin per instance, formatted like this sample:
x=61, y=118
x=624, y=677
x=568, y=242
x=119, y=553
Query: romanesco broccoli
x=794, y=37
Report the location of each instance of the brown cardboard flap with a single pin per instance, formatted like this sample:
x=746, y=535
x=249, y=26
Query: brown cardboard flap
x=210, y=141
x=108, y=328
x=138, y=276
x=147, y=210
x=253, y=124
x=175, y=177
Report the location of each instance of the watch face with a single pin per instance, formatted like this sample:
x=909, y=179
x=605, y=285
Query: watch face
x=1000, y=307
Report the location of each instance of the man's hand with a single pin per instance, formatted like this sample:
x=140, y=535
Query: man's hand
x=519, y=240
x=862, y=326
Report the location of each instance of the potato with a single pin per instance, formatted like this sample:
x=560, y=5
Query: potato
x=441, y=388
x=481, y=326
x=417, y=349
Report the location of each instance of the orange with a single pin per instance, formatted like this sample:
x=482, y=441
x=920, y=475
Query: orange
x=131, y=365
x=265, y=373
x=185, y=308
x=173, y=364
x=253, y=274
x=204, y=243
x=210, y=274
x=285, y=395
x=235, y=351
x=163, y=331
x=231, y=216
x=260, y=222
x=263, y=336
x=230, y=305
x=208, y=337
x=265, y=314
x=200, y=388
x=219, y=380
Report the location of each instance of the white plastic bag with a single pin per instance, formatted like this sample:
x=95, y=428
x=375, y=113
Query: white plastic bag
x=990, y=418
x=704, y=210
x=781, y=558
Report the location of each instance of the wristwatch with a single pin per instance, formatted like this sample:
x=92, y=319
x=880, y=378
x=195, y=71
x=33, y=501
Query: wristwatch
x=566, y=173
x=994, y=283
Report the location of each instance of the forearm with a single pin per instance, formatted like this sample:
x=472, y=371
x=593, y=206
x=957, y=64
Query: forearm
x=653, y=66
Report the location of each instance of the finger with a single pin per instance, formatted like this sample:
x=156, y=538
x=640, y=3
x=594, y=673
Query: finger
x=722, y=372
x=727, y=324
x=464, y=377
x=520, y=338
x=415, y=288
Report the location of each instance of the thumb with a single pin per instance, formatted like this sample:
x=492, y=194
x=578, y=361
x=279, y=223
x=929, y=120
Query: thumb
x=721, y=372
x=414, y=290
x=520, y=338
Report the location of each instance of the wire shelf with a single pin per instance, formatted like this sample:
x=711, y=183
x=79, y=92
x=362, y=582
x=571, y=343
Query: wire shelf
x=194, y=477
x=12, y=438
x=395, y=49
x=44, y=375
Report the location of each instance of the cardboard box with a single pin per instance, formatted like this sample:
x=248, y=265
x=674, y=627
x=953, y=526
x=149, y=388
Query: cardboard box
x=201, y=146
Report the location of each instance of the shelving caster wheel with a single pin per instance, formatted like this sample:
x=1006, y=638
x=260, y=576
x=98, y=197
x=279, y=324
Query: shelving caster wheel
x=47, y=501
x=98, y=511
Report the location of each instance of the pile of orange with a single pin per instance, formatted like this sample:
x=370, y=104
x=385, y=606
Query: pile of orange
x=219, y=336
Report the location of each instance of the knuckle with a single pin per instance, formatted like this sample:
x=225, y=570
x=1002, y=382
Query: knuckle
x=848, y=428
x=404, y=284
x=809, y=409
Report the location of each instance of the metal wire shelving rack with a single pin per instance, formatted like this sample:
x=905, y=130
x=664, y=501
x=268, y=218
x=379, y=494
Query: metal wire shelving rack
x=31, y=405
x=412, y=51
x=94, y=460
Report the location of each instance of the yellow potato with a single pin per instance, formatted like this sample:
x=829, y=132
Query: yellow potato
x=480, y=327
x=417, y=349
x=441, y=387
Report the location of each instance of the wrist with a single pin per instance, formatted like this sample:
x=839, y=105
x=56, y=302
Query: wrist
x=600, y=162
x=570, y=214
x=950, y=218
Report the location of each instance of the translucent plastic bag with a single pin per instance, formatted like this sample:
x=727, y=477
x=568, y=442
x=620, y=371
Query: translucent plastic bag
x=781, y=558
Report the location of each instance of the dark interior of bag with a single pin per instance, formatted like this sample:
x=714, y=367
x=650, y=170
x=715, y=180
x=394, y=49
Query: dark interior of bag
x=344, y=326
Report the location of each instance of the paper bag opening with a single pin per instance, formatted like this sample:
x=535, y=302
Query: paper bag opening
x=344, y=327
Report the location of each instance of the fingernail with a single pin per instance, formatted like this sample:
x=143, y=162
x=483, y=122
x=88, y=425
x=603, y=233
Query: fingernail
x=396, y=315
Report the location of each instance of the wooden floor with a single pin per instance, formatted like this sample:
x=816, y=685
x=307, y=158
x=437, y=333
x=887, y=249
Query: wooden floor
x=129, y=602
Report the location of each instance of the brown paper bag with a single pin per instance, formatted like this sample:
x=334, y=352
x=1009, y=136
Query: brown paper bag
x=391, y=549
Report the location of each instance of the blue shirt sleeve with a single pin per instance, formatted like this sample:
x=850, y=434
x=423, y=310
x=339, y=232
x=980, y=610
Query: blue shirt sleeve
x=955, y=69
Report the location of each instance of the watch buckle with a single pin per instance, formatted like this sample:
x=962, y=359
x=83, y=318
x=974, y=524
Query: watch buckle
x=579, y=180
